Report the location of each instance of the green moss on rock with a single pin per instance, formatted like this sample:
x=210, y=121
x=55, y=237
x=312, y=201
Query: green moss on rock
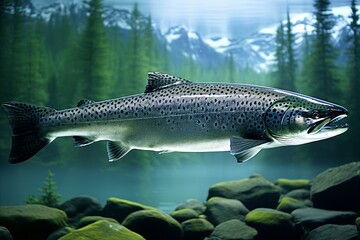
x=253, y=192
x=37, y=221
x=119, y=209
x=154, y=225
x=287, y=185
x=222, y=209
x=91, y=219
x=271, y=223
x=184, y=214
x=196, y=229
x=288, y=204
x=102, y=229
x=357, y=222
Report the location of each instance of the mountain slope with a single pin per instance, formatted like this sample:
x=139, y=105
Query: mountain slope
x=256, y=50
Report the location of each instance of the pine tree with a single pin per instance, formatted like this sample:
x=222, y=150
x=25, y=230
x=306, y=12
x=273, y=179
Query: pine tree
x=137, y=60
x=95, y=53
x=280, y=56
x=291, y=63
x=230, y=69
x=35, y=63
x=17, y=86
x=285, y=73
x=150, y=45
x=354, y=75
x=323, y=72
x=48, y=196
x=119, y=58
x=5, y=43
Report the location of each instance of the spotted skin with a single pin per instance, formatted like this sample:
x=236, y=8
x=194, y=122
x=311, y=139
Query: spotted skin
x=172, y=115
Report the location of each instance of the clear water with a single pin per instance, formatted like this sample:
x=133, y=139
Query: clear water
x=166, y=180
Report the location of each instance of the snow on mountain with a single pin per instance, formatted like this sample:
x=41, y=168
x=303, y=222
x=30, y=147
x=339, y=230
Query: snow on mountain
x=256, y=50
x=117, y=17
x=183, y=42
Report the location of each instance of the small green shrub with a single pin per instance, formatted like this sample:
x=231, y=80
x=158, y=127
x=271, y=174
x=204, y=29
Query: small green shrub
x=48, y=196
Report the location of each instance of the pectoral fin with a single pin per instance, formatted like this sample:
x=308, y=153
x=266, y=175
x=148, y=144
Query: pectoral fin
x=246, y=155
x=244, y=149
x=116, y=150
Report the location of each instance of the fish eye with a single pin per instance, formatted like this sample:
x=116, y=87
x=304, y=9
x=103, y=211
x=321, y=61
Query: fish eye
x=315, y=114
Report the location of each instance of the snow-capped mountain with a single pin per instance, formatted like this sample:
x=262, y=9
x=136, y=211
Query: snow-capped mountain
x=183, y=42
x=256, y=50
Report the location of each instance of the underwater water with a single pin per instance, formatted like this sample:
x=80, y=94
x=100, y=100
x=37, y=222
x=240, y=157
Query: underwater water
x=56, y=53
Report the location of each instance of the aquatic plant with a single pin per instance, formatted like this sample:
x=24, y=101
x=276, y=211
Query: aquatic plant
x=48, y=196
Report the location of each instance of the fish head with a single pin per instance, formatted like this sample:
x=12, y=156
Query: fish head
x=300, y=119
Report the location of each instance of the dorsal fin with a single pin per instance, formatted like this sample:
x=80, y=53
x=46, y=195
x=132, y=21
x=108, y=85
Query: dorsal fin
x=84, y=102
x=158, y=80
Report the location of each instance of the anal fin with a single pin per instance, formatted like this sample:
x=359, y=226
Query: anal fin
x=116, y=150
x=82, y=141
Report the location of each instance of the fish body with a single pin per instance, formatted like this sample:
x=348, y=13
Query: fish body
x=176, y=115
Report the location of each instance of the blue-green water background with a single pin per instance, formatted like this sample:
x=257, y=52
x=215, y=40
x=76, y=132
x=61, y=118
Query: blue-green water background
x=45, y=63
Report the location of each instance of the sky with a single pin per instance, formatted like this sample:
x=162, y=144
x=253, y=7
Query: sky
x=214, y=18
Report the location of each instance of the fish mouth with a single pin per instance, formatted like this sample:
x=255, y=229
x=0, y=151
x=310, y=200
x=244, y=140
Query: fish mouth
x=329, y=124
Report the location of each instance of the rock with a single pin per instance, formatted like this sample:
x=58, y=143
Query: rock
x=154, y=225
x=103, y=229
x=5, y=234
x=184, y=214
x=196, y=229
x=252, y=192
x=91, y=219
x=271, y=224
x=288, y=204
x=192, y=204
x=287, y=185
x=233, y=230
x=301, y=194
x=220, y=209
x=36, y=221
x=119, y=209
x=332, y=231
x=310, y=218
x=338, y=188
x=81, y=206
x=60, y=233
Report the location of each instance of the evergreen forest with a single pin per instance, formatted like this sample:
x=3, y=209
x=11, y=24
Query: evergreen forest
x=70, y=57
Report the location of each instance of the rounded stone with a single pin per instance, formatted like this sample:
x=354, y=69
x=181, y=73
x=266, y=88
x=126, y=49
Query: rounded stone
x=310, y=218
x=5, y=234
x=271, y=223
x=119, y=209
x=154, y=225
x=196, y=229
x=253, y=192
x=184, y=214
x=81, y=206
x=288, y=204
x=338, y=188
x=287, y=185
x=220, y=209
x=234, y=230
x=37, y=221
x=333, y=231
x=103, y=229
x=194, y=204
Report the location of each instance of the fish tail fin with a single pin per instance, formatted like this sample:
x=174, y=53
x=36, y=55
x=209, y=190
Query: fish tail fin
x=27, y=140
